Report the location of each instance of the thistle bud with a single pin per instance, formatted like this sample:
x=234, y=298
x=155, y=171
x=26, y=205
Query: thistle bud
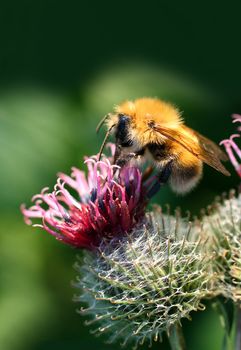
x=224, y=225
x=224, y=222
x=141, y=285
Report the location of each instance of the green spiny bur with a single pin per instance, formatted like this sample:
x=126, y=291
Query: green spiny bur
x=140, y=286
x=223, y=224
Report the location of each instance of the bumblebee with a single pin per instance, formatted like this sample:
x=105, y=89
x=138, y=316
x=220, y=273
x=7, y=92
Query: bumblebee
x=151, y=129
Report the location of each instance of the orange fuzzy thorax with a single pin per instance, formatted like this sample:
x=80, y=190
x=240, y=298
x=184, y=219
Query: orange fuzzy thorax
x=145, y=110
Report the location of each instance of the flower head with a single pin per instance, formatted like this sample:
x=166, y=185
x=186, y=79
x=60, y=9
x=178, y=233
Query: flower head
x=232, y=148
x=82, y=210
x=142, y=286
x=223, y=224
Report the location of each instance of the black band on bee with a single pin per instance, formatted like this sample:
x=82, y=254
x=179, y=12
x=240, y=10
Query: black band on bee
x=187, y=173
x=158, y=151
x=122, y=131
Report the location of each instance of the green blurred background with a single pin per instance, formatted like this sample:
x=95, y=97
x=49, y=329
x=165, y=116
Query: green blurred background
x=63, y=65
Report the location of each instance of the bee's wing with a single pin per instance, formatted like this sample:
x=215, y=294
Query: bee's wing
x=208, y=145
x=200, y=146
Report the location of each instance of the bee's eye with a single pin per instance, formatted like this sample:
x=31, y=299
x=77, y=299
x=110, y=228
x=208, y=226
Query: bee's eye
x=123, y=118
x=122, y=129
x=127, y=143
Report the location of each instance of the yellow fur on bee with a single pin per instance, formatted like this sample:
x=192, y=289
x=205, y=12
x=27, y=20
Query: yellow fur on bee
x=152, y=122
x=146, y=109
x=187, y=158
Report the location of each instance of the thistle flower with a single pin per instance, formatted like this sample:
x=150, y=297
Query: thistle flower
x=82, y=210
x=232, y=148
x=223, y=222
x=142, y=285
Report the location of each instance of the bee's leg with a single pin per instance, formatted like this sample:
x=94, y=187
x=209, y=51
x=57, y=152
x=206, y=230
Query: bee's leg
x=147, y=173
x=165, y=173
x=123, y=159
x=117, y=152
x=162, y=179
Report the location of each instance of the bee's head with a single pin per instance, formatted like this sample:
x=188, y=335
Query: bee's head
x=120, y=125
x=122, y=130
x=135, y=122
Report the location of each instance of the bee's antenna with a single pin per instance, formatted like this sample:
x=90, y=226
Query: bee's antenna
x=105, y=140
x=102, y=122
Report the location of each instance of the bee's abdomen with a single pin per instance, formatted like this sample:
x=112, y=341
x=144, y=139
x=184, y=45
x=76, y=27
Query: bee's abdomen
x=184, y=178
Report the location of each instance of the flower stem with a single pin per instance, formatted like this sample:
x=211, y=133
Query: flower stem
x=176, y=338
x=238, y=328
